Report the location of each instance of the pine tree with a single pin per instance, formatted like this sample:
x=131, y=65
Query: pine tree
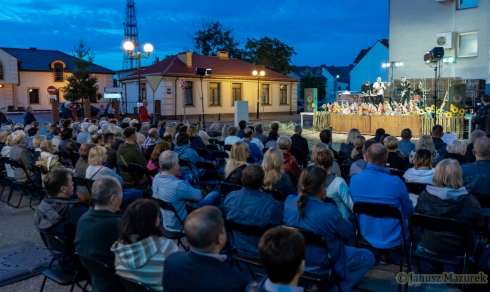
x=81, y=84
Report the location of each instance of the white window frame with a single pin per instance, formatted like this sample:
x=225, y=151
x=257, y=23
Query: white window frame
x=458, y=44
x=29, y=95
x=218, y=90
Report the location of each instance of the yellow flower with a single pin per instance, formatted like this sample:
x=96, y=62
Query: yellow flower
x=454, y=110
x=313, y=105
x=462, y=111
x=433, y=107
x=448, y=115
x=428, y=109
x=421, y=111
x=324, y=106
x=438, y=111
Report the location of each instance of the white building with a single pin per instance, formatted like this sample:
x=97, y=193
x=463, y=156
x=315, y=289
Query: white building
x=462, y=27
x=368, y=65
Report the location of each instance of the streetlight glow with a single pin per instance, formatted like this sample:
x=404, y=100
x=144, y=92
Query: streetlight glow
x=262, y=73
x=148, y=48
x=128, y=46
x=254, y=73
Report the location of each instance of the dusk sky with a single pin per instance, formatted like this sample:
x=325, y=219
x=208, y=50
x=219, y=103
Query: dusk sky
x=330, y=32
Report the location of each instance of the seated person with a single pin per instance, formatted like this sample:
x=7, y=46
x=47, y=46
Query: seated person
x=326, y=138
x=347, y=146
x=309, y=211
x=255, y=140
x=98, y=229
x=470, y=157
x=109, y=141
x=242, y=125
x=141, y=249
x=381, y=233
x=255, y=153
x=20, y=153
x=422, y=171
x=203, y=268
x=282, y=253
x=153, y=166
x=168, y=188
x=290, y=163
x=275, y=177
x=476, y=177
x=58, y=214
x=356, y=153
x=404, y=145
x=151, y=141
x=236, y=163
x=129, y=152
x=448, y=198
x=360, y=165
x=395, y=159
x=455, y=150
x=3, y=140
x=232, y=137
x=272, y=140
x=251, y=206
x=187, y=153
x=298, y=141
x=322, y=146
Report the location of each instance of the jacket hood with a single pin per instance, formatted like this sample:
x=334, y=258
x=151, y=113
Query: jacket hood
x=181, y=149
x=47, y=216
x=412, y=172
x=137, y=254
x=47, y=160
x=125, y=148
x=441, y=200
x=447, y=193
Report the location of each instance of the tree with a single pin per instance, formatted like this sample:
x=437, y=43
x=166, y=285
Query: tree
x=213, y=37
x=309, y=81
x=81, y=84
x=272, y=53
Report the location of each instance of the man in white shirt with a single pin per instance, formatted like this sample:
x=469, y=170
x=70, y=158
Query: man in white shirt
x=232, y=138
x=379, y=90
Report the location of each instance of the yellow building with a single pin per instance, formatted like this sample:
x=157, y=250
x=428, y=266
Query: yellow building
x=26, y=74
x=230, y=80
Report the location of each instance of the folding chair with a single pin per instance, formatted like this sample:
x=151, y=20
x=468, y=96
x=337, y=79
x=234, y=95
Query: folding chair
x=204, y=153
x=210, y=171
x=130, y=285
x=247, y=230
x=398, y=173
x=214, y=141
x=315, y=239
x=437, y=224
x=227, y=147
x=172, y=234
x=66, y=159
x=136, y=168
x=276, y=194
x=265, y=150
x=226, y=188
x=5, y=179
x=57, y=274
x=380, y=211
x=416, y=188
x=81, y=182
x=212, y=147
x=28, y=185
x=185, y=163
x=97, y=268
x=220, y=158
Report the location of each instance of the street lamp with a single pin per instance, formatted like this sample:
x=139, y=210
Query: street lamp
x=148, y=48
x=258, y=74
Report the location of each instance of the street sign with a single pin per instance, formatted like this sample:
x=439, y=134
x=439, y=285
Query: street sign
x=182, y=83
x=52, y=90
x=154, y=81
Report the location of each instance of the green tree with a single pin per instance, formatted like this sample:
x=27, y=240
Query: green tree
x=309, y=81
x=213, y=37
x=81, y=84
x=272, y=53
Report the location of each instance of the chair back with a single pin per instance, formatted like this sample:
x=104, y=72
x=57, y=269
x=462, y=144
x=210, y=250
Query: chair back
x=415, y=188
x=437, y=224
x=219, y=157
x=248, y=230
x=276, y=194
x=168, y=207
x=398, y=173
x=212, y=147
x=80, y=181
x=227, y=147
x=311, y=238
x=227, y=188
x=265, y=150
x=203, y=152
x=136, y=168
x=96, y=268
x=131, y=285
x=214, y=141
x=17, y=164
x=90, y=183
x=377, y=210
x=54, y=242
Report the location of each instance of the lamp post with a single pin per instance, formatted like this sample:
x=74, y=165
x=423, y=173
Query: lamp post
x=148, y=48
x=258, y=74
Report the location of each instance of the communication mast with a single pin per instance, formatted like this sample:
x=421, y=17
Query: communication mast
x=130, y=34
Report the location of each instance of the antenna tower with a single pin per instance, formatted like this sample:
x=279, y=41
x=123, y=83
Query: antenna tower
x=130, y=33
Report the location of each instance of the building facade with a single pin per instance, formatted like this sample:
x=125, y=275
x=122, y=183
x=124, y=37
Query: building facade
x=26, y=74
x=231, y=80
x=462, y=28
x=368, y=65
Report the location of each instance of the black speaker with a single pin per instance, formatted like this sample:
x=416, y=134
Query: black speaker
x=437, y=53
x=457, y=96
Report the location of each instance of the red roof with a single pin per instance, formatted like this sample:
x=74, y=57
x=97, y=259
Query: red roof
x=224, y=68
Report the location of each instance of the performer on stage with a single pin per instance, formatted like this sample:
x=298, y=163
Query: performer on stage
x=378, y=89
x=366, y=91
x=404, y=88
x=419, y=90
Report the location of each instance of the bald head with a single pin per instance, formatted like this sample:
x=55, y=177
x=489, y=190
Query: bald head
x=482, y=148
x=247, y=134
x=203, y=228
x=377, y=154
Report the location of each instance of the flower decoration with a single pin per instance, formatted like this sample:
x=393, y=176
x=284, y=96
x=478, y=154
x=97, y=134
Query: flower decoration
x=313, y=105
x=433, y=107
x=438, y=111
x=324, y=106
x=428, y=109
x=454, y=109
x=448, y=115
x=421, y=112
x=462, y=111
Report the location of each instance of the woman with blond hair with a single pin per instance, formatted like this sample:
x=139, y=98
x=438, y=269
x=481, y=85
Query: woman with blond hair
x=448, y=198
x=236, y=163
x=6, y=153
x=155, y=155
x=47, y=158
x=196, y=141
x=20, y=153
x=356, y=152
x=424, y=142
x=455, y=150
x=275, y=178
x=347, y=147
x=204, y=136
x=322, y=146
x=290, y=163
x=97, y=139
x=337, y=189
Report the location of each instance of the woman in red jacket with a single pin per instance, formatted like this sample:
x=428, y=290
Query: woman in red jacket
x=290, y=163
x=144, y=112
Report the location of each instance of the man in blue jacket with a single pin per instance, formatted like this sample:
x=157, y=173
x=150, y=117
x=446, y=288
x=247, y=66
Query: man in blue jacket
x=376, y=185
x=255, y=152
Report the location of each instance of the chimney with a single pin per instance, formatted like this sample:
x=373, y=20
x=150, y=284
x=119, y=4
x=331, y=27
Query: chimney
x=223, y=54
x=186, y=57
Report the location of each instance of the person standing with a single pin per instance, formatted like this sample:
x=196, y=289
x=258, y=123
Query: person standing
x=29, y=116
x=482, y=118
x=379, y=90
x=66, y=111
x=144, y=112
x=404, y=88
x=74, y=112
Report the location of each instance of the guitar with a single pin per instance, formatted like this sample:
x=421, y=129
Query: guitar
x=378, y=89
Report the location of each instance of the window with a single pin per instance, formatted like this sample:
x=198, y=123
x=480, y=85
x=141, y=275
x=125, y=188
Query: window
x=1, y=71
x=467, y=4
x=33, y=95
x=283, y=94
x=214, y=93
x=189, y=97
x=236, y=92
x=468, y=44
x=58, y=72
x=265, y=94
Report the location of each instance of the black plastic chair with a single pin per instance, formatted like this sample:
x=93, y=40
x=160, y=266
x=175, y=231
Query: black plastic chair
x=247, y=230
x=212, y=147
x=97, y=268
x=172, y=234
x=437, y=224
x=227, y=147
x=214, y=141
x=398, y=173
x=145, y=188
x=66, y=159
x=415, y=188
x=210, y=171
x=276, y=194
x=315, y=239
x=185, y=163
x=226, y=188
x=203, y=152
x=28, y=185
x=57, y=274
x=219, y=157
x=265, y=150
x=131, y=285
x=81, y=182
x=6, y=181
x=381, y=211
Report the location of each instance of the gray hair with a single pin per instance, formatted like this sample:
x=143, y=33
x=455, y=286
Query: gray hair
x=145, y=126
x=7, y=128
x=106, y=128
x=475, y=135
x=92, y=129
x=166, y=159
x=103, y=188
x=298, y=128
x=117, y=131
x=85, y=126
x=284, y=143
x=28, y=108
x=75, y=126
x=3, y=134
x=457, y=147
